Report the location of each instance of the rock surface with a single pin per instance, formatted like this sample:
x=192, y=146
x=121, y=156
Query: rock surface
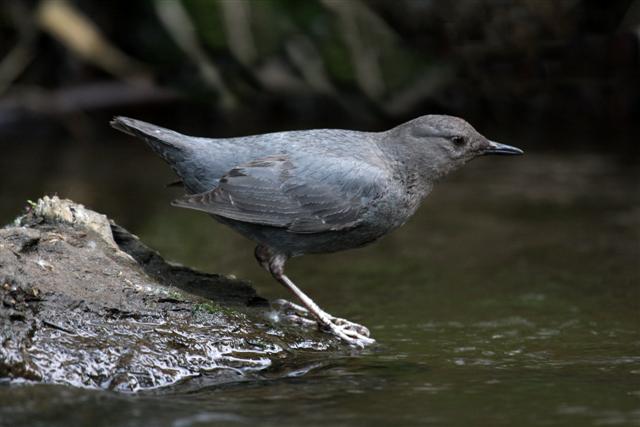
x=83, y=302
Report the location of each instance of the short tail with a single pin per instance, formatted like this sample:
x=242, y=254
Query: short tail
x=170, y=145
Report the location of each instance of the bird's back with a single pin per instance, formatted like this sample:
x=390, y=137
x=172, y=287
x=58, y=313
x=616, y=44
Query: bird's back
x=200, y=162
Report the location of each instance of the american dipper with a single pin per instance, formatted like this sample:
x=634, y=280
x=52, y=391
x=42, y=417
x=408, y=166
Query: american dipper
x=315, y=191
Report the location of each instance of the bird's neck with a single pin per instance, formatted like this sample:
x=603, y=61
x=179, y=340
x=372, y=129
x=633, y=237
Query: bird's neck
x=415, y=168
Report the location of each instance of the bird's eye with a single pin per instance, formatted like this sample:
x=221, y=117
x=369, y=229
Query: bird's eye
x=458, y=140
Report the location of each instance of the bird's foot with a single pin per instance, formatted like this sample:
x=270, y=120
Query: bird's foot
x=344, y=323
x=353, y=333
x=293, y=312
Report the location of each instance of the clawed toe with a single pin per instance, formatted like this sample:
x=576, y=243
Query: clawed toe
x=285, y=306
x=351, y=326
x=293, y=312
x=350, y=332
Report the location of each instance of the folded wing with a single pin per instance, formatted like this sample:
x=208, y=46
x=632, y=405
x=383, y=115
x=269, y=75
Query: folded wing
x=315, y=197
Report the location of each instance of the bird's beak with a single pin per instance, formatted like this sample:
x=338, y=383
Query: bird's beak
x=497, y=148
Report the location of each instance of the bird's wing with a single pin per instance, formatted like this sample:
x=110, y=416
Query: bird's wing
x=321, y=196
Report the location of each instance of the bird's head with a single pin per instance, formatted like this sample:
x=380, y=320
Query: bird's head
x=434, y=145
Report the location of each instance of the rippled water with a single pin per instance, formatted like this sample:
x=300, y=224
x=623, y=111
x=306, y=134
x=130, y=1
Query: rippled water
x=513, y=298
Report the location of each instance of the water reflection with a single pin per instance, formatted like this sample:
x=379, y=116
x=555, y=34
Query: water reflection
x=512, y=298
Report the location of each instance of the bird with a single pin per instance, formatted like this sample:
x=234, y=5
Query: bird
x=315, y=191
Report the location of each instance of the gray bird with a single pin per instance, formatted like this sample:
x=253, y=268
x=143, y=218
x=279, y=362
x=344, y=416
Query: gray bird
x=315, y=191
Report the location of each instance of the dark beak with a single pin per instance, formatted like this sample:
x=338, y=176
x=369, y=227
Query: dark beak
x=497, y=148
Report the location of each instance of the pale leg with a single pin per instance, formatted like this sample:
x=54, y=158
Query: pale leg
x=354, y=334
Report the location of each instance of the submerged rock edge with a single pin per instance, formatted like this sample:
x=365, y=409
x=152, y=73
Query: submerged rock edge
x=84, y=302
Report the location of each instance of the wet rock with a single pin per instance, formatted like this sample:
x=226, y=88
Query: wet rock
x=86, y=303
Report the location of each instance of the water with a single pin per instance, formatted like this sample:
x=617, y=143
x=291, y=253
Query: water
x=512, y=298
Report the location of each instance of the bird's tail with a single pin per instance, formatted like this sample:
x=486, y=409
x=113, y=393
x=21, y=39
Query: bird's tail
x=171, y=146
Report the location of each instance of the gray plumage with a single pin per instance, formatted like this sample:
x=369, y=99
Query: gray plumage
x=315, y=191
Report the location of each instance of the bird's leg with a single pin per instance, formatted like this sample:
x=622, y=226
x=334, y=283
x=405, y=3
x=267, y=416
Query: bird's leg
x=347, y=331
x=293, y=312
x=298, y=314
x=350, y=332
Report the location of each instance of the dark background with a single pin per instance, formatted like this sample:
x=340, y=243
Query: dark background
x=510, y=298
x=556, y=76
